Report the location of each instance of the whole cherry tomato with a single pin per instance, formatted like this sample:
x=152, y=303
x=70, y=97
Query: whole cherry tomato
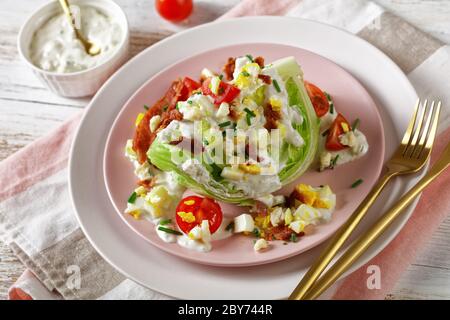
x=174, y=10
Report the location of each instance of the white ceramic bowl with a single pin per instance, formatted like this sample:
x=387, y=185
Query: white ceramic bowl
x=85, y=82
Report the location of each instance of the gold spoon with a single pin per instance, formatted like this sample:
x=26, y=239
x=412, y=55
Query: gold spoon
x=91, y=48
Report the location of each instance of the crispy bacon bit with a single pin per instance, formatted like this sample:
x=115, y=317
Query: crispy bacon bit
x=265, y=78
x=278, y=233
x=177, y=141
x=167, y=118
x=294, y=197
x=143, y=138
x=228, y=68
x=147, y=184
x=234, y=115
x=260, y=61
x=271, y=116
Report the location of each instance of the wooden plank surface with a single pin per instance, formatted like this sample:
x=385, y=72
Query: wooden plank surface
x=28, y=111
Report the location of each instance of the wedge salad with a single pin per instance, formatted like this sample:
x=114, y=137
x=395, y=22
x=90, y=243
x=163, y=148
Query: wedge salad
x=237, y=137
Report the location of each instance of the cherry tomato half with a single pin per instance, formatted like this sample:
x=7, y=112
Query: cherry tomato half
x=189, y=85
x=202, y=209
x=333, y=143
x=174, y=10
x=318, y=99
x=226, y=92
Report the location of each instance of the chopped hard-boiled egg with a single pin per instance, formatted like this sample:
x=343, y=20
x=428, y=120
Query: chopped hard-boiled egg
x=276, y=103
x=276, y=216
x=195, y=233
x=206, y=73
x=306, y=213
x=232, y=173
x=348, y=139
x=206, y=233
x=288, y=217
x=244, y=223
x=201, y=232
x=260, y=244
x=139, y=118
x=154, y=122
x=325, y=160
x=187, y=217
x=250, y=168
x=298, y=226
x=214, y=85
x=140, y=191
x=223, y=111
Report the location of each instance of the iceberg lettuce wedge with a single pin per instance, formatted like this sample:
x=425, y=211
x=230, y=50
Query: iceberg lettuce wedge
x=205, y=177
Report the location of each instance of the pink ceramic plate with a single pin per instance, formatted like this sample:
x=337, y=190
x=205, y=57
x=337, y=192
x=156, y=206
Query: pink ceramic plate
x=350, y=98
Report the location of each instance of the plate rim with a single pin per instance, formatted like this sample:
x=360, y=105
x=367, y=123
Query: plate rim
x=186, y=256
x=162, y=42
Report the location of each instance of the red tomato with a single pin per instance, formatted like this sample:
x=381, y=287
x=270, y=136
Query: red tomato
x=336, y=130
x=174, y=10
x=226, y=93
x=202, y=209
x=189, y=85
x=318, y=99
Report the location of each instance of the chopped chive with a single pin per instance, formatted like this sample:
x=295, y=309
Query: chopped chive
x=330, y=102
x=275, y=84
x=145, y=107
x=355, y=124
x=165, y=107
x=334, y=161
x=132, y=198
x=245, y=74
x=224, y=124
x=250, y=57
x=189, y=101
x=293, y=237
x=256, y=232
x=221, y=77
x=249, y=119
x=325, y=133
x=357, y=183
x=165, y=221
x=177, y=106
x=205, y=142
x=220, y=90
x=171, y=231
x=249, y=112
x=230, y=226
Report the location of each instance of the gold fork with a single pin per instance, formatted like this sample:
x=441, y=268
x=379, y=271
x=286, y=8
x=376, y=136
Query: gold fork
x=369, y=236
x=410, y=157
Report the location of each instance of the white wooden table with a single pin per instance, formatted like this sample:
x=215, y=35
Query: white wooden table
x=28, y=111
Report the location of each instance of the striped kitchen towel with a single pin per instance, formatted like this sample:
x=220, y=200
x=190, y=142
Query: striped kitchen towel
x=38, y=223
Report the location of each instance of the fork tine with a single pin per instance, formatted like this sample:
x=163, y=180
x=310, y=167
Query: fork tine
x=409, y=131
x=432, y=134
x=412, y=143
x=412, y=122
x=425, y=131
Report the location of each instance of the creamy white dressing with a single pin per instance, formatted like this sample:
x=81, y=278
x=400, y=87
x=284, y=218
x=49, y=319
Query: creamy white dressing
x=54, y=46
x=165, y=236
x=348, y=154
x=205, y=246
